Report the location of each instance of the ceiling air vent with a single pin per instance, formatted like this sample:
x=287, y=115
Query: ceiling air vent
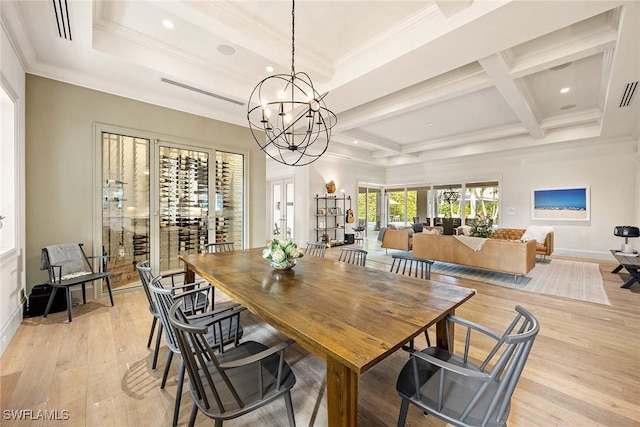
x=627, y=96
x=202, y=91
x=61, y=9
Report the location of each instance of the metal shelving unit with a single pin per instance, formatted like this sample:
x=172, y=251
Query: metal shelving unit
x=330, y=219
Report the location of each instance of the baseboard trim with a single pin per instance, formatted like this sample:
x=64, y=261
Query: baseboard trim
x=10, y=328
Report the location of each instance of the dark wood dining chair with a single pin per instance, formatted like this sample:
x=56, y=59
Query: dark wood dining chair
x=174, y=282
x=228, y=384
x=227, y=331
x=316, y=249
x=213, y=248
x=472, y=386
x=353, y=256
x=68, y=265
x=412, y=267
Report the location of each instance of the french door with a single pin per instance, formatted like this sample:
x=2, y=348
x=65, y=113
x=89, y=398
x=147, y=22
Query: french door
x=282, y=209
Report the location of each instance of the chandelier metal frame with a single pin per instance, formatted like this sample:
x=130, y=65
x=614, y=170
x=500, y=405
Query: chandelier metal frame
x=295, y=128
x=450, y=196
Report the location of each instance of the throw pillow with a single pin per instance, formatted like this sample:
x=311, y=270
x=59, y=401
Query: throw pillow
x=432, y=231
x=537, y=233
x=466, y=230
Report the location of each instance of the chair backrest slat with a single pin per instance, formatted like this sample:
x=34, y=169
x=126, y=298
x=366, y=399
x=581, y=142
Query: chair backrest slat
x=353, y=256
x=144, y=271
x=213, y=248
x=316, y=249
x=410, y=266
x=163, y=299
x=197, y=353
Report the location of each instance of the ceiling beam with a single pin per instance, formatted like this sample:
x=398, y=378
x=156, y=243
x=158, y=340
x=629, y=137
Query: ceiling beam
x=513, y=93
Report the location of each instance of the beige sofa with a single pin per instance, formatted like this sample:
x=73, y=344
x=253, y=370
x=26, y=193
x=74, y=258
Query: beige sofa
x=542, y=248
x=497, y=255
x=397, y=239
x=402, y=239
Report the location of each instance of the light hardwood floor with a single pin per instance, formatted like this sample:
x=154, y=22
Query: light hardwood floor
x=584, y=369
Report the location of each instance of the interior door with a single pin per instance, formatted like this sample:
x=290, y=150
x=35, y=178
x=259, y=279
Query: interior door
x=282, y=209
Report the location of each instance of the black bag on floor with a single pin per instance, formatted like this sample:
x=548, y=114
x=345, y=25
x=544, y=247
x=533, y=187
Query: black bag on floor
x=39, y=298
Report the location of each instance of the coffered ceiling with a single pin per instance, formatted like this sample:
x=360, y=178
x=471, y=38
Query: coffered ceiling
x=408, y=80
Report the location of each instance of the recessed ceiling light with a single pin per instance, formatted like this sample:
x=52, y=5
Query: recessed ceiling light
x=269, y=69
x=565, y=90
x=225, y=49
x=167, y=24
x=355, y=142
x=430, y=124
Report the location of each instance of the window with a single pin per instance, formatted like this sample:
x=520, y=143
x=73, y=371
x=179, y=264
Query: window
x=482, y=197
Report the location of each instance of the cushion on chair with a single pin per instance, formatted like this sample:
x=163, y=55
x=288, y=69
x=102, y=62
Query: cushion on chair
x=69, y=256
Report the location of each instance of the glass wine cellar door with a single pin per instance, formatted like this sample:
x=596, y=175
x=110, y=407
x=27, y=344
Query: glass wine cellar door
x=195, y=196
x=125, y=206
x=200, y=201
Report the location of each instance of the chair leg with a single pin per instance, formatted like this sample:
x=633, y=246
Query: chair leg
x=176, y=409
x=287, y=401
x=153, y=328
x=404, y=407
x=194, y=413
x=166, y=370
x=69, y=303
x=108, y=279
x=53, y=294
x=84, y=294
x=157, y=350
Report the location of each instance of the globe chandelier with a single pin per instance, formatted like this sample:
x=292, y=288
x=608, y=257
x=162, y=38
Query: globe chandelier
x=288, y=118
x=450, y=196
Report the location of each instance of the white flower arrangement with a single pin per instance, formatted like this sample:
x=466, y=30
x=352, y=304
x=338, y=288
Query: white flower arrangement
x=282, y=252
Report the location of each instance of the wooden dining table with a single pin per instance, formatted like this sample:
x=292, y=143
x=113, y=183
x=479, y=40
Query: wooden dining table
x=350, y=316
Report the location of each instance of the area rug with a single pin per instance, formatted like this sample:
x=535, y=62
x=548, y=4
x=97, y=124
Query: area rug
x=562, y=278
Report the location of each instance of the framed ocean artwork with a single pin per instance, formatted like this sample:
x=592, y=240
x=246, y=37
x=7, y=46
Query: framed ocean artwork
x=566, y=204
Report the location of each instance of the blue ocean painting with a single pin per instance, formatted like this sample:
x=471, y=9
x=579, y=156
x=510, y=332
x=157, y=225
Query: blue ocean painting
x=574, y=199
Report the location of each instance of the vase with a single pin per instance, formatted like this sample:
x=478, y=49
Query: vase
x=288, y=265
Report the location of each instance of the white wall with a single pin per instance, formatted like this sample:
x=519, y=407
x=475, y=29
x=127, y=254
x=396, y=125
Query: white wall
x=607, y=167
x=12, y=267
x=310, y=180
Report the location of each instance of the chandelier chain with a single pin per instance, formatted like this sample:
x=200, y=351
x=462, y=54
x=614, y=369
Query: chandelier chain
x=293, y=37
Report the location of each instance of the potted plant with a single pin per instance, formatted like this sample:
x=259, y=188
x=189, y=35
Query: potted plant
x=481, y=226
x=282, y=253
